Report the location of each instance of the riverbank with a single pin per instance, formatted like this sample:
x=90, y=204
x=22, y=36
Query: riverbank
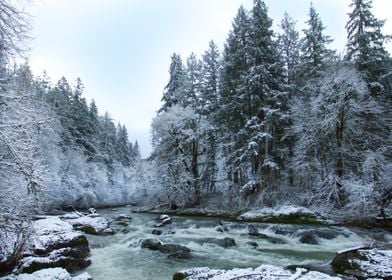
x=284, y=214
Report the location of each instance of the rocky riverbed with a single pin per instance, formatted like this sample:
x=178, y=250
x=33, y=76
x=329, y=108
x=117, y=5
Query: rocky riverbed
x=119, y=244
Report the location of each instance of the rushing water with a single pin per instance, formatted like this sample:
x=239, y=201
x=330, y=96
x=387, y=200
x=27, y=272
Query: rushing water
x=119, y=257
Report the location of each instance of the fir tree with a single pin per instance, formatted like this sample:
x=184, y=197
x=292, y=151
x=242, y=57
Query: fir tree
x=315, y=53
x=193, y=73
x=290, y=47
x=266, y=100
x=366, y=43
x=175, y=90
x=209, y=83
x=235, y=65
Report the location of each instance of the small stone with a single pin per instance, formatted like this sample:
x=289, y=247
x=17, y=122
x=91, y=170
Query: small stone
x=156, y=232
x=252, y=244
x=309, y=238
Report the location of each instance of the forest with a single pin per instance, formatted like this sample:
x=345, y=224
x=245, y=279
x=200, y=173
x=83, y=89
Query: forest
x=278, y=117
x=273, y=118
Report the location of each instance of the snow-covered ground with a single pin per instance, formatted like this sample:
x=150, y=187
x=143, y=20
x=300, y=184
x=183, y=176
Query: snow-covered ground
x=283, y=210
x=263, y=272
x=48, y=274
x=279, y=213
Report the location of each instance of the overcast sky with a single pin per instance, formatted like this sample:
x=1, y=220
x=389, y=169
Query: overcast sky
x=121, y=48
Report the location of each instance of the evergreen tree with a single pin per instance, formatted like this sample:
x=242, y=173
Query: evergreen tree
x=175, y=90
x=193, y=74
x=208, y=105
x=122, y=145
x=365, y=44
x=290, y=47
x=209, y=83
x=230, y=117
x=107, y=139
x=80, y=127
x=266, y=101
x=135, y=151
x=60, y=100
x=315, y=53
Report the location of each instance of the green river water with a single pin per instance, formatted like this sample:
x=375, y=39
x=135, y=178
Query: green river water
x=119, y=256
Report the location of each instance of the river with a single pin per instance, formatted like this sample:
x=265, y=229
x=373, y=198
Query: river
x=119, y=256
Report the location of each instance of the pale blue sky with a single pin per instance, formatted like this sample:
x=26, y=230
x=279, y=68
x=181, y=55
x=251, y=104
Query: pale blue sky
x=121, y=48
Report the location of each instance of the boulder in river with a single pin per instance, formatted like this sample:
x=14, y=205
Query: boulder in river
x=309, y=238
x=152, y=244
x=122, y=217
x=173, y=250
x=91, y=225
x=252, y=244
x=163, y=220
x=224, y=242
x=253, y=232
x=156, y=231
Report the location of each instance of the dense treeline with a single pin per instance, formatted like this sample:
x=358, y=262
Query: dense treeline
x=280, y=118
x=55, y=149
x=69, y=154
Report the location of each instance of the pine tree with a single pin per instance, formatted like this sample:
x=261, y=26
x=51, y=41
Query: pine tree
x=365, y=43
x=135, y=151
x=290, y=48
x=265, y=99
x=122, y=145
x=230, y=118
x=209, y=83
x=60, y=100
x=315, y=53
x=107, y=139
x=175, y=90
x=208, y=105
x=193, y=73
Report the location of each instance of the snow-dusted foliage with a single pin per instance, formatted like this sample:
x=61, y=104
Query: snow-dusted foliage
x=333, y=159
x=176, y=136
x=286, y=120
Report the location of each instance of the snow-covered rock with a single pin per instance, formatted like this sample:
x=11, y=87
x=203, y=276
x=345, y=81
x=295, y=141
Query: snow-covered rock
x=283, y=214
x=71, y=259
x=91, y=225
x=263, y=272
x=364, y=263
x=54, y=243
x=73, y=215
x=173, y=250
x=52, y=233
x=48, y=274
x=163, y=220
